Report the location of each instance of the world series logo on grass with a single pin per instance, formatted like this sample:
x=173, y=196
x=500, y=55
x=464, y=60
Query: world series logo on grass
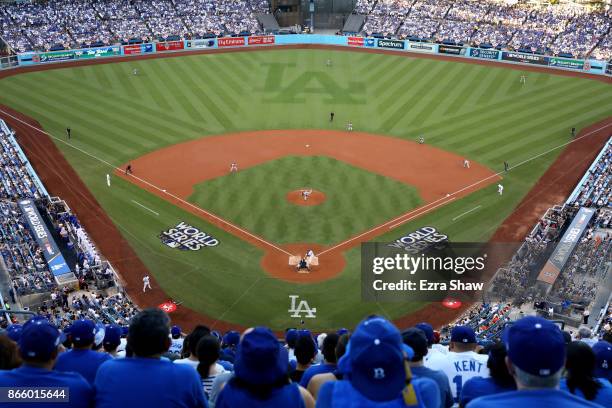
x=187, y=237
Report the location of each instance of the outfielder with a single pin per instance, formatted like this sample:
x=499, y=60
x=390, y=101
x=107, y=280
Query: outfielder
x=500, y=189
x=328, y=62
x=523, y=79
x=146, y=283
x=233, y=168
x=135, y=72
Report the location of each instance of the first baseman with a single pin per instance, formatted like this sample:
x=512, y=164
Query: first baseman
x=146, y=283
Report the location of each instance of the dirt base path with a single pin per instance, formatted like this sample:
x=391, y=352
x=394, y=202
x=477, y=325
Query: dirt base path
x=438, y=175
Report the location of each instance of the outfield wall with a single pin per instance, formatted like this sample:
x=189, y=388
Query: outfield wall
x=590, y=66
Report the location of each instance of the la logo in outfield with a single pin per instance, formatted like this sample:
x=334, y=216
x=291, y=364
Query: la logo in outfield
x=302, y=308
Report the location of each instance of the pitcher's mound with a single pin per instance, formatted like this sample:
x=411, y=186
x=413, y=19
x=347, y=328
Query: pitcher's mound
x=296, y=197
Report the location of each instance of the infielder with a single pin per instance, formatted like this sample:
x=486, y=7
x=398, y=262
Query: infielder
x=349, y=126
x=146, y=283
x=233, y=168
x=466, y=163
x=421, y=139
x=500, y=189
x=108, y=180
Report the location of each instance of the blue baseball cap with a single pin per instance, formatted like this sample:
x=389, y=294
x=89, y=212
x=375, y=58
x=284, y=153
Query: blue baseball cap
x=428, y=330
x=374, y=359
x=463, y=334
x=83, y=332
x=260, y=358
x=291, y=335
x=14, y=332
x=39, y=340
x=342, y=331
x=535, y=345
x=603, y=359
x=231, y=338
x=175, y=331
x=112, y=336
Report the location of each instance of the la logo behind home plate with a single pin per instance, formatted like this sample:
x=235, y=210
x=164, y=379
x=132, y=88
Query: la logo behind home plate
x=302, y=307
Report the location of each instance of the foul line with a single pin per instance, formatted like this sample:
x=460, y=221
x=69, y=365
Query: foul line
x=188, y=204
x=146, y=208
x=467, y=212
x=401, y=219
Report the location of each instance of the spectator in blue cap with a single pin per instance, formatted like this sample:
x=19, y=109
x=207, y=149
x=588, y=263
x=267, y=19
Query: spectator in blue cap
x=14, y=332
x=229, y=344
x=147, y=380
x=9, y=353
x=82, y=359
x=580, y=380
x=499, y=381
x=261, y=375
x=415, y=338
x=603, y=360
x=112, y=339
x=291, y=336
x=461, y=362
x=316, y=382
x=39, y=346
x=377, y=373
x=329, y=363
x=176, y=343
x=536, y=355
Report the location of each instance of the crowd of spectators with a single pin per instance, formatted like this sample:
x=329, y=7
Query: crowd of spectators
x=595, y=190
x=151, y=363
x=565, y=29
x=59, y=24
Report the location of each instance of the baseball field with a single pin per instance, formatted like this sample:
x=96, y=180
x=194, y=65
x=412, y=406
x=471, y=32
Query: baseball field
x=181, y=121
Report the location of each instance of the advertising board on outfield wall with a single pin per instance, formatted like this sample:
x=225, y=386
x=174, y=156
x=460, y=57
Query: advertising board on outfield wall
x=261, y=40
x=484, y=54
x=422, y=47
x=451, y=49
x=395, y=44
x=169, y=46
x=231, y=42
x=566, y=63
x=202, y=43
x=355, y=41
x=135, y=49
x=524, y=58
x=97, y=52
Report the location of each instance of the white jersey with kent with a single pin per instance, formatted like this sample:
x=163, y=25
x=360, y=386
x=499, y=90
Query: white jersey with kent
x=459, y=367
x=176, y=345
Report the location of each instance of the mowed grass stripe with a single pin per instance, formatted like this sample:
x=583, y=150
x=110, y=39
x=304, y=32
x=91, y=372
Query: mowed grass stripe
x=400, y=70
x=472, y=99
x=465, y=120
x=369, y=62
x=220, y=88
x=153, y=78
x=413, y=97
x=136, y=109
x=157, y=129
x=87, y=133
x=206, y=101
x=463, y=96
x=225, y=78
x=240, y=73
x=538, y=131
x=402, y=87
x=508, y=122
x=381, y=71
x=180, y=89
x=102, y=78
x=119, y=73
x=438, y=94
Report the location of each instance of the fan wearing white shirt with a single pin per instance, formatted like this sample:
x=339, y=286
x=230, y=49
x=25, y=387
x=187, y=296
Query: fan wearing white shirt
x=461, y=362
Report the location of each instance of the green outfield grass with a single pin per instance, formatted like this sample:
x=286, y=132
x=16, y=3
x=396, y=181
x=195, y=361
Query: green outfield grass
x=480, y=112
x=356, y=201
